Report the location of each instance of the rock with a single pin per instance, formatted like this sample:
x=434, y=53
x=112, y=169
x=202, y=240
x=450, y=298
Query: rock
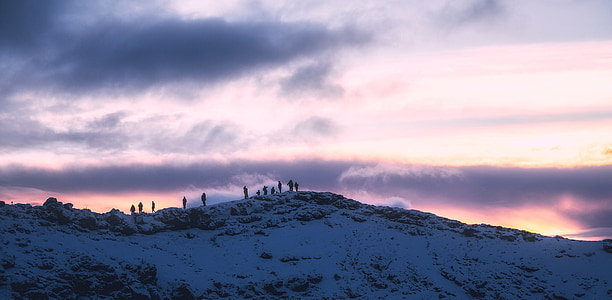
x=607, y=245
x=182, y=293
x=7, y=262
x=50, y=201
x=469, y=232
x=147, y=274
x=2, y=204
x=22, y=285
x=174, y=218
x=273, y=288
x=87, y=221
x=298, y=284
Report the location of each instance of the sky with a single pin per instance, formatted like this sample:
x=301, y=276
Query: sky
x=485, y=111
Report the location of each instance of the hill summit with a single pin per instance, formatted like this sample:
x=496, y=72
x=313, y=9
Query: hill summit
x=289, y=245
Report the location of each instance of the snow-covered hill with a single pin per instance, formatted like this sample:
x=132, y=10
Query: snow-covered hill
x=290, y=245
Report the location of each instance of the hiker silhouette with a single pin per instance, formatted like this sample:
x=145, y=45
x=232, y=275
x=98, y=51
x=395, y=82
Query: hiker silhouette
x=203, y=199
x=265, y=190
x=296, y=186
x=132, y=209
x=258, y=193
x=290, y=184
x=184, y=202
x=140, y=207
x=280, y=187
x=272, y=191
x=152, y=206
x=246, y=192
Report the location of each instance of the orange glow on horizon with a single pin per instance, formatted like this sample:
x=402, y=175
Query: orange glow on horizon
x=542, y=220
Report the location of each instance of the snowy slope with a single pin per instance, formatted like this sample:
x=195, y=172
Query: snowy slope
x=290, y=245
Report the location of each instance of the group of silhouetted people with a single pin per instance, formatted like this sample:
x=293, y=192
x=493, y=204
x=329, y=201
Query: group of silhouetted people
x=140, y=207
x=291, y=185
x=245, y=190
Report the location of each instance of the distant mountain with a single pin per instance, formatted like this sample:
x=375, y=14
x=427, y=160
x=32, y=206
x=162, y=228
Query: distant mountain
x=286, y=246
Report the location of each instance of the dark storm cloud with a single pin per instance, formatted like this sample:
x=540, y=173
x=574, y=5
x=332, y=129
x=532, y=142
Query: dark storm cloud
x=146, y=51
x=23, y=22
x=313, y=80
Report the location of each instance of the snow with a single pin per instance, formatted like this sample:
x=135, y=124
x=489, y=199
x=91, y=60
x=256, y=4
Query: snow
x=289, y=245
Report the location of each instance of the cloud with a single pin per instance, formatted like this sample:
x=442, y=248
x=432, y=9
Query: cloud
x=386, y=171
x=469, y=12
x=311, y=80
x=314, y=127
x=113, y=133
x=314, y=174
x=23, y=23
x=473, y=188
x=141, y=52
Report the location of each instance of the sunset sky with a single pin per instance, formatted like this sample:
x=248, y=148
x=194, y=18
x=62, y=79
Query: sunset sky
x=485, y=111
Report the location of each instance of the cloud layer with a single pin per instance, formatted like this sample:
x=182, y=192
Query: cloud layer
x=581, y=194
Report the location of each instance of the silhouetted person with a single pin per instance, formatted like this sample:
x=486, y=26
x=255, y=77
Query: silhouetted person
x=184, y=202
x=203, y=199
x=246, y=192
x=296, y=186
x=152, y=206
x=132, y=209
x=140, y=207
x=258, y=193
x=290, y=184
x=280, y=187
x=272, y=191
x=265, y=189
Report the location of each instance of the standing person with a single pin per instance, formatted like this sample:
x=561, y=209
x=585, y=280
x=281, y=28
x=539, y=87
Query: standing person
x=272, y=191
x=152, y=206
x=296, y=186
x=280, y=187
x=290, y=184
x=258, y=193
x=132, y=209
x=140, y=207
x=184, y=202
x=265, y=189
x=246, y=192
x=203, y=199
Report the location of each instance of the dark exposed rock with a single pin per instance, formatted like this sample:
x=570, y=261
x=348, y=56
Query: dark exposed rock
x=7, y=262
x=607, y=245
x=273, y=288
x=50, y=201
x=174, y=218
x=298, y=284
x=469, y=232
x=87, y=221
x=182, y=293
